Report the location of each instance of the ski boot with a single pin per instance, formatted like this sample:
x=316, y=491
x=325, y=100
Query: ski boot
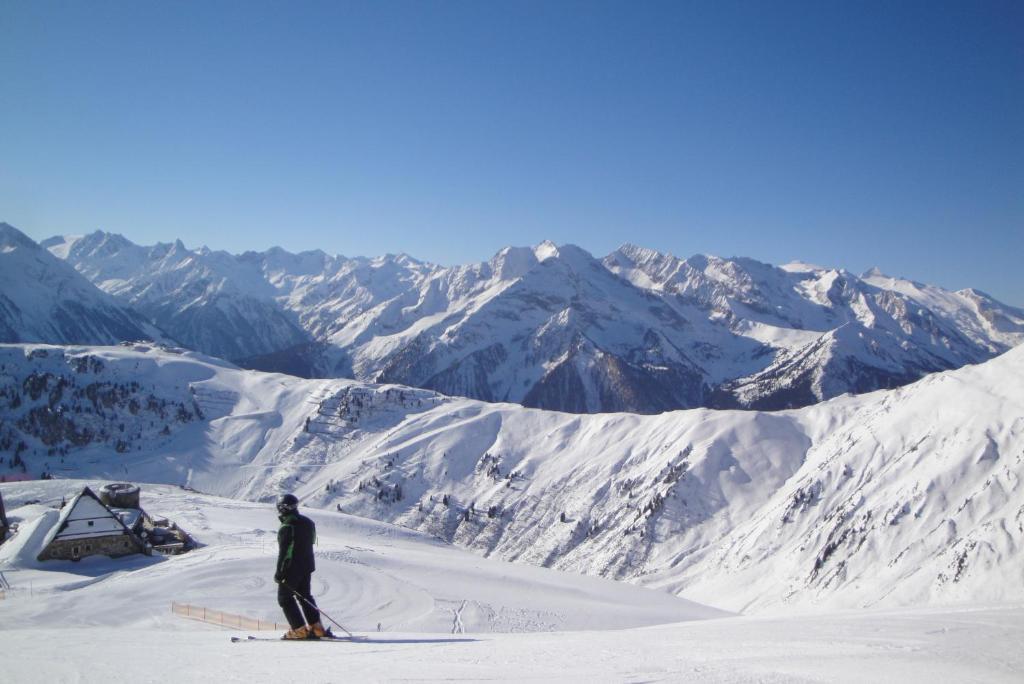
x=317, y=631
x=297, y=634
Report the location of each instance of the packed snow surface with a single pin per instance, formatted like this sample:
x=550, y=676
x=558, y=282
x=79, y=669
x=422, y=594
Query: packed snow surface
x=968, y=645
x=370, y=573
x=425, y=611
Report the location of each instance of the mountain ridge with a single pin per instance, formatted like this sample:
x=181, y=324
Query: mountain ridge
x=555, y=327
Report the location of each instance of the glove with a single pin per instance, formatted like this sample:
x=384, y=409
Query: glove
x=279, y=577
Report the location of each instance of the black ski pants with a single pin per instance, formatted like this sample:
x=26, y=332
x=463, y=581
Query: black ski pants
x=290, y=603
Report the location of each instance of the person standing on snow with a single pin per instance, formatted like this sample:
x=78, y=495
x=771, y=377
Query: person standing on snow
x=294, y=572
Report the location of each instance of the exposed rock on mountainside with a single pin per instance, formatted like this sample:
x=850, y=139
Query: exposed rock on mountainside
x=554, y=327
x=67, y=401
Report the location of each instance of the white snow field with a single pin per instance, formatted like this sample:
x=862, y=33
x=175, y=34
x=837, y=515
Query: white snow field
x=375, y=573
x=980, y=645
x=875, y=537
x=443, y=614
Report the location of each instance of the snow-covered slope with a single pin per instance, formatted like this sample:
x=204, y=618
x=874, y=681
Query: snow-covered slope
x=423, y=610
x=375, y=573
x=553, y=327
x=977, y=644
x=42, y=299
x=907, y=496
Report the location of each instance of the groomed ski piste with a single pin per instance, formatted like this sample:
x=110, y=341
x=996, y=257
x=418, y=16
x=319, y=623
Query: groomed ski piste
x=442, y=614
x=870, y=538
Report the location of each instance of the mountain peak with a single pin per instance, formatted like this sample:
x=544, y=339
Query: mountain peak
x=667, y=329
x=513, y=262
x=569, y=254
x=801, y=267
x=699, y=262
x=11, y=238
x=638, y=254
x=545, y=250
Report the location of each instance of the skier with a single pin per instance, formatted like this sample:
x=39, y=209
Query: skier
x=295, y=568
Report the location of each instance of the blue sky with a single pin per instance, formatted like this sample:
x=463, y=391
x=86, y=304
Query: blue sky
x=848, y=134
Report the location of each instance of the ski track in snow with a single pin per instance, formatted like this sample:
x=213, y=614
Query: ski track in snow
x=978, y=645
x=444, y=614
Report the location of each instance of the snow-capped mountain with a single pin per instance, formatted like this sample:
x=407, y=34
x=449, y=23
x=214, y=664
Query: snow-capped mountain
x=43, y=299
x=548, y=327
x=213, y=301
x=828, y=331
x=906, y=496
x=553, y=327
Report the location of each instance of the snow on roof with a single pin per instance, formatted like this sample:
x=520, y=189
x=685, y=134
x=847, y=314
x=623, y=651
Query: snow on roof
x=129, y=516
x=85, y=517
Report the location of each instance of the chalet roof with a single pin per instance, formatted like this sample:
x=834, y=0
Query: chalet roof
x=86, y=517
x=129, y=516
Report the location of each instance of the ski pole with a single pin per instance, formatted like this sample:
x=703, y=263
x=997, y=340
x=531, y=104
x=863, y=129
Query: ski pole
x=302, y=612
x=313, y=605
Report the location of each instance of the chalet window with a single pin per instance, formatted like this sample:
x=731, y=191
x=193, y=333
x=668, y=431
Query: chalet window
x=75, y=552
x=88, y=548
x=91, y=522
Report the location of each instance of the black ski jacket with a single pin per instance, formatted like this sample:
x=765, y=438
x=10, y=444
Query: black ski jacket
x=295, y=542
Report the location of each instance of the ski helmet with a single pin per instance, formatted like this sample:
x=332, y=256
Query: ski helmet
x=287, y=503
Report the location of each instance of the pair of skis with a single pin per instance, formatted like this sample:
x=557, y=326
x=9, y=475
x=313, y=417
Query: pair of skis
x=330, y=637
x=247, y=639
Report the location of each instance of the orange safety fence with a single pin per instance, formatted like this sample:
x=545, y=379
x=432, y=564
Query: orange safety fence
x=219, y=617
